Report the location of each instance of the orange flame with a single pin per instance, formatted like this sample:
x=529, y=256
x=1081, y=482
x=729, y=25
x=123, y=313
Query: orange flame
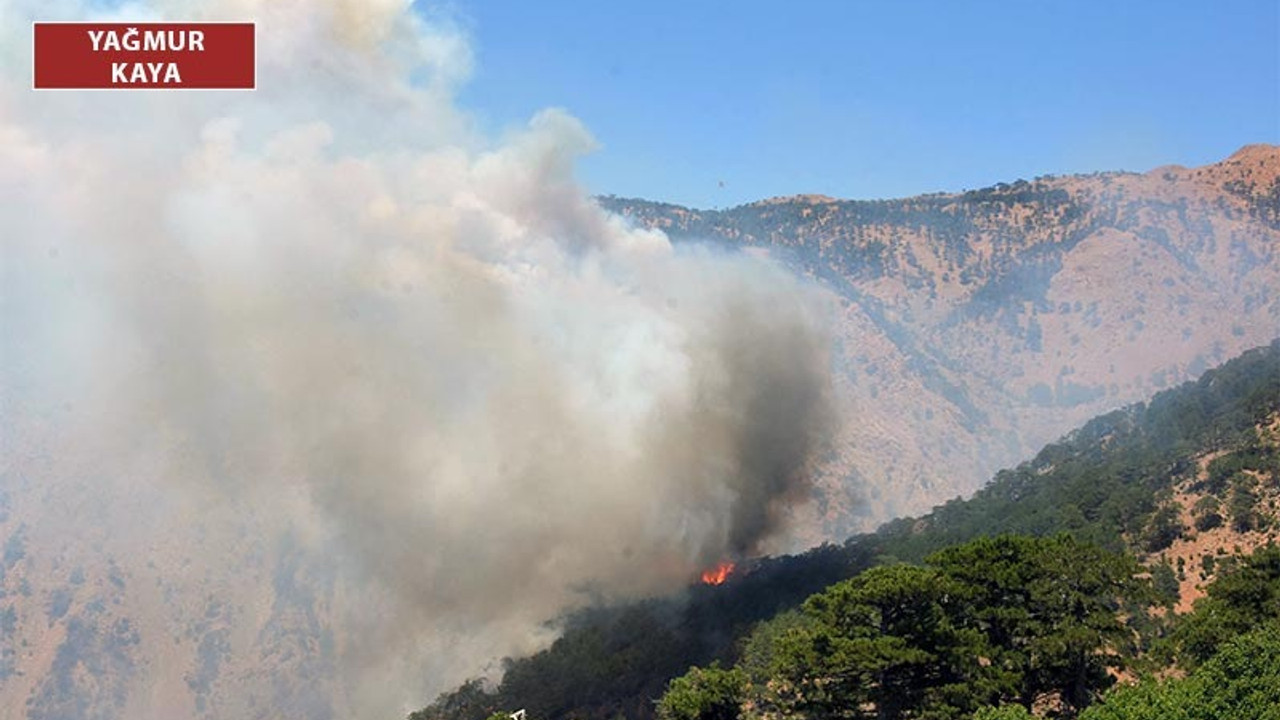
x=718, y=574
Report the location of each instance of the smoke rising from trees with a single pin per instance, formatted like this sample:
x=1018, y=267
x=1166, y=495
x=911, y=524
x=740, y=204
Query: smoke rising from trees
x=331, y=311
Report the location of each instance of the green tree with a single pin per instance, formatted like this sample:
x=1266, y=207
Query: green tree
x=1164, y=528
x=1207, y=513
x=1244, y=502
x=763, y=660
x=1048, y=608
x=883, y=644
x=710, y=693
x=1165, y=583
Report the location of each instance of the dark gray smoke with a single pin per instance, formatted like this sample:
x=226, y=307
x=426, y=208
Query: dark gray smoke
x=329, y=317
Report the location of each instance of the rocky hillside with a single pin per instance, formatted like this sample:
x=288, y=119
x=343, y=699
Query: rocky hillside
x=975, y=327
x=220, y=620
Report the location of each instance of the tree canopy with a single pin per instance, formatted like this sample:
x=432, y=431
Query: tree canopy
x=1005, y=620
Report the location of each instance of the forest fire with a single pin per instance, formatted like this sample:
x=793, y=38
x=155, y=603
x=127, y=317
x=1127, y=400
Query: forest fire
x=718, y=574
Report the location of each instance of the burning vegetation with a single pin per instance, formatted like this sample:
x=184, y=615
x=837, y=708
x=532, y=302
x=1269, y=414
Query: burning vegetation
x=718, y=574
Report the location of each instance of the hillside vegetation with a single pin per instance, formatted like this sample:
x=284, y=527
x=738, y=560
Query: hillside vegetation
x=1036, y=593
x=976, y=327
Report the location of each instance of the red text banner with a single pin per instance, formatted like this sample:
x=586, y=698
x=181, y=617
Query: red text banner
x=212, y=56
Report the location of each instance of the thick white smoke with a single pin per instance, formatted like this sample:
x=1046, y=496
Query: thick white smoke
x=329, y=337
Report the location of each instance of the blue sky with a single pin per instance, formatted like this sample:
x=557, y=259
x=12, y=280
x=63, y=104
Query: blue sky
x=871, y=99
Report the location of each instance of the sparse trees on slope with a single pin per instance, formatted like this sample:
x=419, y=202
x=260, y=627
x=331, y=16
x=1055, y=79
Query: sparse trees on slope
x=1241, y=681
x=1237, y=602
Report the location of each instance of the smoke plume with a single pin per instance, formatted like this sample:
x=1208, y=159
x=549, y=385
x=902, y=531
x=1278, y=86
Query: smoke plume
x=329, y=329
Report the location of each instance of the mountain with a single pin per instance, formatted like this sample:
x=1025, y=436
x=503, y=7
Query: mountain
x=975, y=327
x=1188, y=482
x=971, y=329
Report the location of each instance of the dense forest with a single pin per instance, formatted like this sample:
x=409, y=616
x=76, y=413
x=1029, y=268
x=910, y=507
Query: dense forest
x=1001, y=628
x=1050, y=586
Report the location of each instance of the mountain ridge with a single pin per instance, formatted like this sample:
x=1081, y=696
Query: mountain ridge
x=996, y=319
x=1252, y=155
